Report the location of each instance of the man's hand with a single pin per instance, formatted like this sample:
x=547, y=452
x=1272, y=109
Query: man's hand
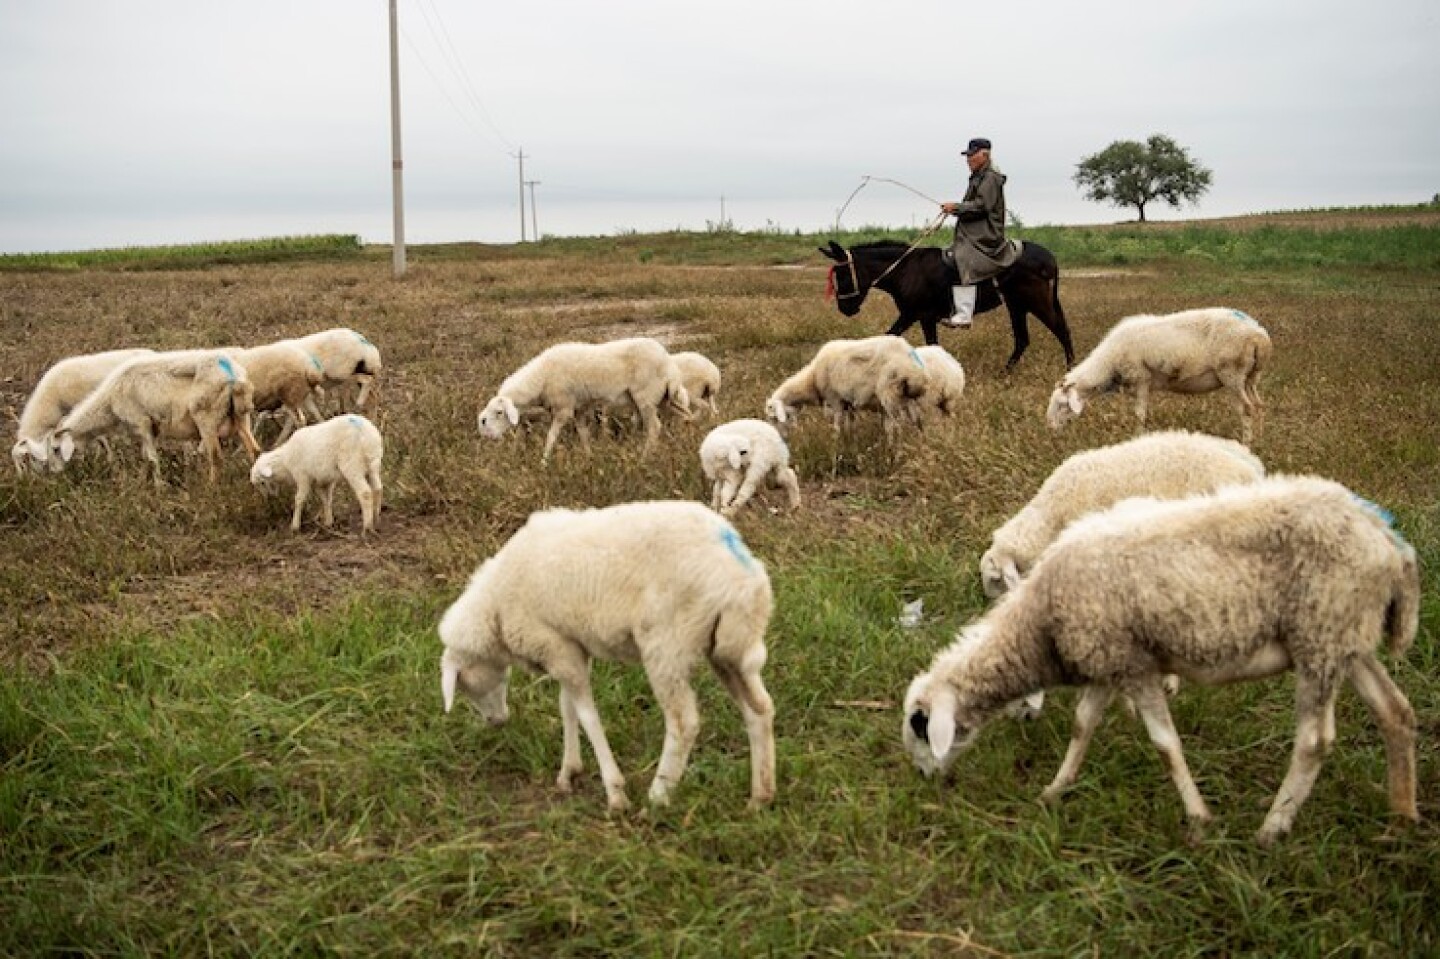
x=950, y=208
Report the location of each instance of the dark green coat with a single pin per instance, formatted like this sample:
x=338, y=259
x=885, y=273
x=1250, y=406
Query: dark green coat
x=980, y=248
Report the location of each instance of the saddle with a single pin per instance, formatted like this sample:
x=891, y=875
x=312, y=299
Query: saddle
x=987, y=292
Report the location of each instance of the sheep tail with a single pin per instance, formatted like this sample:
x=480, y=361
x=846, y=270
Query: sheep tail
x=1402, y=618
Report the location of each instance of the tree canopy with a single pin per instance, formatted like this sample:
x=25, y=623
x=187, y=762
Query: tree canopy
x=1129, y=173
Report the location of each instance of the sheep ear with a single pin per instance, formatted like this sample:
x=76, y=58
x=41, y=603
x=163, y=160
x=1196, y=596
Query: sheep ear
x=267, y=472
x=736, y=461
x=39, y=452
x=1010, y=574
x=67, y=448
x=449, y=680
x=1072, y=398
x=941, y=727
x=511, y=413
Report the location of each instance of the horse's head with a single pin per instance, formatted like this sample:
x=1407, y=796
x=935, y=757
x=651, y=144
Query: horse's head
x=846, y=283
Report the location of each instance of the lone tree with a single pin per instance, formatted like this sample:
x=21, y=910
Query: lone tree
x=1127, y=173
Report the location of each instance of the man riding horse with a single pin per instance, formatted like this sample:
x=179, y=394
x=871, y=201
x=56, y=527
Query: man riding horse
x=980, y=250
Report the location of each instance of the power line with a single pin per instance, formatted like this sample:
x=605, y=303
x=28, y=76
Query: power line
x=465, y=117
x=456, y=64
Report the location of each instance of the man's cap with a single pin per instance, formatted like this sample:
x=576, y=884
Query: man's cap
x=976, y=145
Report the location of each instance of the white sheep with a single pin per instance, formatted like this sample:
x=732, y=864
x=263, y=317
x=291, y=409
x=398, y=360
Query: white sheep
x=1164, y=465
x=1195, y=351
x=946, y=381
x=574, y=377
x=349, y=359
x=701, y=378
x=668, y=583
x=738, y=457
x=1288, y=573
x=59, y=391
x=879, y=372
x=347, y=447
x=285, y=376
x=186, y=395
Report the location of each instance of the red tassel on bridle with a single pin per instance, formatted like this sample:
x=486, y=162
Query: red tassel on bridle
x=830, y=283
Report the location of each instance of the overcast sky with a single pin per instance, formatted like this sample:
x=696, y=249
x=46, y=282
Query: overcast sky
x=175, y=120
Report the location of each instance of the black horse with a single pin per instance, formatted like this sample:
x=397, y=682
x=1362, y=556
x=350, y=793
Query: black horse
x=919, y=281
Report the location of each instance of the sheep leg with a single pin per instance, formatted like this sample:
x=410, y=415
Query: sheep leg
x=362, y=399
x=302, y=493
x=652, y=425
x=1149, y=699
x=589, y=718
x=247, y=437
x=571, y=761
x=726, y=495
x=682, y=725
x=1235, y=383
x=1314, y=733
x=744, y=685
x=747, y=490
x=151, y=452
x=377, y=491
x=360, y=486
x=327, y=504
x=1088, y=713
x=559, y=417
x=788, y=481
x=1142, y=404
x=1396, y=719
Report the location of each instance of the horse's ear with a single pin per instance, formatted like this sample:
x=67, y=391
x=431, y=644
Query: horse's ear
x=830, y=251
x=836, y=250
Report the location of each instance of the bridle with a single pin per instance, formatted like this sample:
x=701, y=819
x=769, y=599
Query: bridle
x=854, y=275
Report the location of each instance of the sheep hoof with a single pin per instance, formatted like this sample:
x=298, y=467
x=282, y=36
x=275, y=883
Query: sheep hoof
x=1268, y=836
x=1052, y=795
x=760, y=801
x=1195, y=833
x=617, y=802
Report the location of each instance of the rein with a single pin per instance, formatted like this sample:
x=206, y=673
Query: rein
x=832, y=293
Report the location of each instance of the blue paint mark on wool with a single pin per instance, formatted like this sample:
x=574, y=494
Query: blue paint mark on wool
x=353, y=420
x=361, y=338
x=736, y=545
x=1241, y=315
x=227, y=368
x=1387, y=517
x=316, y=363
x=916, y=357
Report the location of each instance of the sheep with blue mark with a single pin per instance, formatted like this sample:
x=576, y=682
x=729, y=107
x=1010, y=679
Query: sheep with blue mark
x=186, y=395
x=346, y=448
x=1287, y=574
x=880, y=373
x=350, y=362
x=1191, y=352
x=285, y=376
x=667, y=583
x=946, y=382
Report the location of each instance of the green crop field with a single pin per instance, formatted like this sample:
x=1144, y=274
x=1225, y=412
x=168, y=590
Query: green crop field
x=219, y=737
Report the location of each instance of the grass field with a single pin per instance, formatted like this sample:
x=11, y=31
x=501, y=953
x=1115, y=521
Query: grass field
x=220, y=737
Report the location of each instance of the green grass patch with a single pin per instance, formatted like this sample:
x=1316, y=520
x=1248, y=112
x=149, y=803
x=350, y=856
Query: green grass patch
x=190, y=256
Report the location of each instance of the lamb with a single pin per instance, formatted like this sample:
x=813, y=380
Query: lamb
x=285, y=375
x=667, y=583
x=348, y=359
x=59, y=391
x=347, y=447
x=190, y=394
x=701, y=378
x=1287, y=573
x=880, y=372
x=737, y=457
x=947, y=381
x=570, y=377
x=1195, y=351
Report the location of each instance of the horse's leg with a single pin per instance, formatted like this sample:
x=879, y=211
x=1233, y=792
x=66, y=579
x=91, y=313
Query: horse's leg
x=932, y=333
x=1049, y=311
x=1019, y=330
x=903, y=323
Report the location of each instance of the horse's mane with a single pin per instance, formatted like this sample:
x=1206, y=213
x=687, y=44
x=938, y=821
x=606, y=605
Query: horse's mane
x=880, y=246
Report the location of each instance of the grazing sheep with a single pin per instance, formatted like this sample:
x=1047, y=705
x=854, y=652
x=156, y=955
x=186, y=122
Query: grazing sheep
x=667, y=583
x=59, y=391
x=347, y=448
x=1164, y=465
x=701, y=378
x=879, y=372
x=947, y=381
x=1288, y=573
x=1196, y=351
x=348, y=359
x=285, y=375
x=570, y=377
x=185, y=395
x=737, y=457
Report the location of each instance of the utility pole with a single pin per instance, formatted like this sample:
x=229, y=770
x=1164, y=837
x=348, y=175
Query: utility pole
x=534, y=222
x=521, y=156
x=397, y=166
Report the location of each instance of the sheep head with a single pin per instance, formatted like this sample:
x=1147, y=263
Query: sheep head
x=498, y=416
x=483, y=681
x=998, y=573
x=1065, y=404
